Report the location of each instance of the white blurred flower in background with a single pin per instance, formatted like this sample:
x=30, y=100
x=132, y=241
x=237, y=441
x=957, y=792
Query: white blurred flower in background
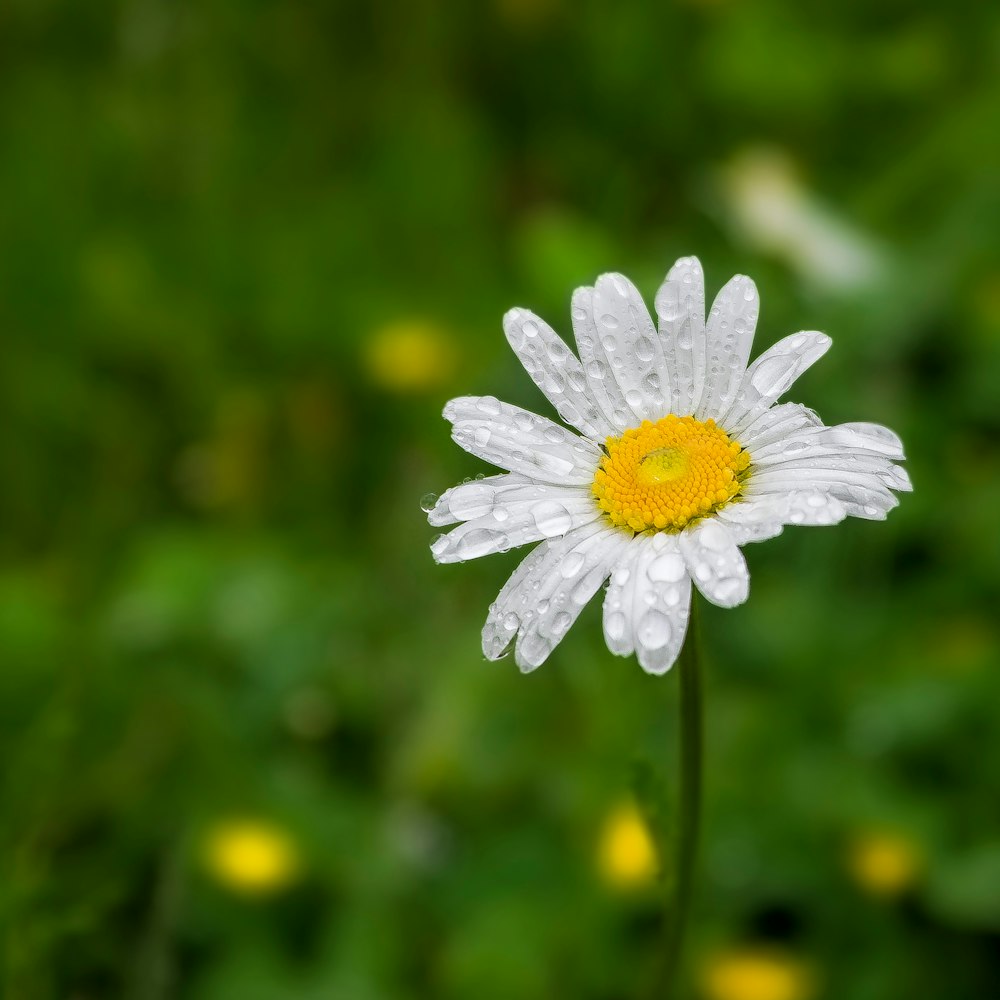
x=771, y=209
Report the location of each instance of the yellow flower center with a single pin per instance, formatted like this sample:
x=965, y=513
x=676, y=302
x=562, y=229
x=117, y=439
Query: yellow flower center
x=660, y=476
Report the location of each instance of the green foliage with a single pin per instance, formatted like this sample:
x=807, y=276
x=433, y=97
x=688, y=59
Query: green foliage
x=216, y=597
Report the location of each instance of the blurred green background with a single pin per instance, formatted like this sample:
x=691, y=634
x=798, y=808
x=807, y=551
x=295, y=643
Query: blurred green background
x=250, y=747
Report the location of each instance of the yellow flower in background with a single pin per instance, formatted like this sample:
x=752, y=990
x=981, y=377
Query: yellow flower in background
x=884, y=863
x=626, y=855
x=756, y=974
x=410, y=356
x=252, y=857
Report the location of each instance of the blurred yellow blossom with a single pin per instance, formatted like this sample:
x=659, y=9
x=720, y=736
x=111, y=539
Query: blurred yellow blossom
x=626, y=853
x=410, y=356
x=250, y=856
x=756, y=974
x=884, y=863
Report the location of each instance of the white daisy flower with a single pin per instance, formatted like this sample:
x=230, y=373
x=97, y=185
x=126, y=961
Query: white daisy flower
x=683, y=455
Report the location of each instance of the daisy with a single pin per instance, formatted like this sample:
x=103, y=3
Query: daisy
x=683, y=455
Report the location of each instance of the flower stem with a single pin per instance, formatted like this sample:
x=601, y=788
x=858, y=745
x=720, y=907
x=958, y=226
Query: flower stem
x=689, y=805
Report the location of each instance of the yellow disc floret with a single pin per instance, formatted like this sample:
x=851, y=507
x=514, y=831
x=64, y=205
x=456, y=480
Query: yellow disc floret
x=660, y=476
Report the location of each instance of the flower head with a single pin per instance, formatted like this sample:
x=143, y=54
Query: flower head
x=683, y=455
x=757, y=974
x=251, y=857
x=884, y=863
x=410, y=357
x=626, y=856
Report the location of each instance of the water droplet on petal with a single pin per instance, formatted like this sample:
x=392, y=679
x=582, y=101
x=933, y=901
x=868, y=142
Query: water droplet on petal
x=644, y=349
x=654, y=630
x=666, y=568
x=480, y=542
x=428, y=502
x=713, y=537
x=614, y=625
x=552, y=518
x=489, y=405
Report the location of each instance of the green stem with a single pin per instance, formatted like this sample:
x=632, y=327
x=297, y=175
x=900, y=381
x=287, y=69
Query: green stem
x=689, y=805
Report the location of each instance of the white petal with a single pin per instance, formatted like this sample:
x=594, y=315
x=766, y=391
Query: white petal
x=716, y=564
x=776, y=424
x=756, y=515
x=600, y=380
x=680, y=307
x=773, y=373
x=564, y=594
x=841, y=439
x=556, y=370
x=813, y=507
x=497, y=495
x=729, y=336
x=519, y=523
x=521, y=441
x=619, y=602
x=622, y=355
x=654, y=602
x=764, y=479
x=763, y=525
x=871, y=437
x=831, y=464
x=478, y=497
x=556, y=559
x=862, y=495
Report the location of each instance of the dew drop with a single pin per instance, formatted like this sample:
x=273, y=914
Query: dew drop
x=713, y=537
x=561, y=623
x=654, y=630
x=614, y=625
x=666, y=568
x=480, y=542
x=552, y=518
x=428, y=502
